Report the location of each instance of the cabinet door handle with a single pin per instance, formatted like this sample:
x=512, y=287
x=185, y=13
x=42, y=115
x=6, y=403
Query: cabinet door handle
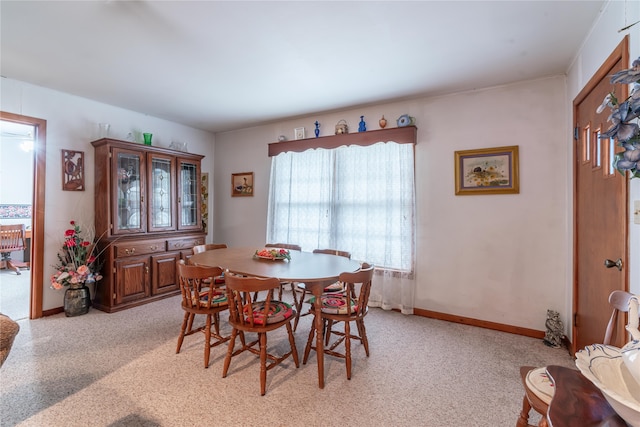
x=130, y=251
x=153, y=248
x=146, y=269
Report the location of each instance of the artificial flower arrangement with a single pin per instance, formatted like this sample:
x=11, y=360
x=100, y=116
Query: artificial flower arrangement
x=624, y=116
x=273, y=253
x=78, y=262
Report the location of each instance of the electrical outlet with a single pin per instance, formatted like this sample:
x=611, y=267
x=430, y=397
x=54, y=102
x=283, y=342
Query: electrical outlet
x=636, y=211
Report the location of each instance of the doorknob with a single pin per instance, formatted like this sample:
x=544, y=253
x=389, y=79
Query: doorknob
x=618, y=263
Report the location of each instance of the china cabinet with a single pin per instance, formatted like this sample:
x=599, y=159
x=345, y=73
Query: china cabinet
x=148, y=214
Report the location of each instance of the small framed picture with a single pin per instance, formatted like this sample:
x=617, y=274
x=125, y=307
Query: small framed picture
x=242, y=184
x=72, y=170
x=487, y=171
x=299, y=133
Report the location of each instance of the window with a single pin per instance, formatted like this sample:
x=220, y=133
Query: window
x=357, y=198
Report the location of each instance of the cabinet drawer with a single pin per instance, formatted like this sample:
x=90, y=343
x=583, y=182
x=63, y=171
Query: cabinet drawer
x=188, y=243
x=140, y=248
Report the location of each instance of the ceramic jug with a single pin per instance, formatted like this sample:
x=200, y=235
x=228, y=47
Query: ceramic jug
x=631, y=351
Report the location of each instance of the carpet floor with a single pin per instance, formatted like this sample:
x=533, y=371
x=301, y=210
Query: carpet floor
x=121, y=369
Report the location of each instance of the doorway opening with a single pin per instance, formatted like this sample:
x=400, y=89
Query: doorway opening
x=16, y=169
x=22, y=154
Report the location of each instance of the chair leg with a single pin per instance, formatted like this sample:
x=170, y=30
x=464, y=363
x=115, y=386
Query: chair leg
x=292, y=342
x=347, y=345
x=263, y=363
x=523, y=419
x=362, y=331
x=298, y=304
x=327, y=332
x=11, y=266
x=227, y=360
x=192, y=317
x=182, y=332
x=207, y=341
x=216, y=323
x=307, y=348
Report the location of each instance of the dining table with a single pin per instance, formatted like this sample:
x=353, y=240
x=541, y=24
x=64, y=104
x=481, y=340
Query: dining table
x=315, y=270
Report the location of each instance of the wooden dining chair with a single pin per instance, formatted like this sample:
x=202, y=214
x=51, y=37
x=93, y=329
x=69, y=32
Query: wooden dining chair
x=291, y=247
x=208, y=247
x=336, y=309
x=260, y=317
x=199, y=297
x=300, y=291
x=219, y=281
x=12, y=239
x=538, y=389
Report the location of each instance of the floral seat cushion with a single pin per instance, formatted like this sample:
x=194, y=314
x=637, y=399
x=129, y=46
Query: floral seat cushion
x=219, y=299
x=336, y=304
x=539, y=383
x=278, y=311
x=332, y=288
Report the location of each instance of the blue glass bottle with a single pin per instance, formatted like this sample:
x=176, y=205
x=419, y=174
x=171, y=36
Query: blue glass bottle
x=362, y=126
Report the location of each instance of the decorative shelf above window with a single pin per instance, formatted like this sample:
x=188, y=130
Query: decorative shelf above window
x=402, y=135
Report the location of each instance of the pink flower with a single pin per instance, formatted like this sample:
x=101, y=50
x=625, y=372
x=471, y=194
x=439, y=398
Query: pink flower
x=70, y=243
x=85, y=243
x=82, y=270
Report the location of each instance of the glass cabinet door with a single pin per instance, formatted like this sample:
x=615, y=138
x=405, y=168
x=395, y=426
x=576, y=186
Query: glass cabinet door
x=188, y=195
x=161, y=192
x=129, y=188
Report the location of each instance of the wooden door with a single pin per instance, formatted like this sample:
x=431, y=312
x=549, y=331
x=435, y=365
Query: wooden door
x=600, y=210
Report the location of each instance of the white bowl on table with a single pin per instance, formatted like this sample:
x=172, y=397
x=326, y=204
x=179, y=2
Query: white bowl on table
x=604, y=367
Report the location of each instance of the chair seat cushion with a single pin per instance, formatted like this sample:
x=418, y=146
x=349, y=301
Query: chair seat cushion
x=539, y=383
x=278, y=311
x=332, y=288
x=218, y=280
x=219, y=299
x=336, y=304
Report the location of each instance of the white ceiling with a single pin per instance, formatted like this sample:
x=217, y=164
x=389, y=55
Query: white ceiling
x=220, y=66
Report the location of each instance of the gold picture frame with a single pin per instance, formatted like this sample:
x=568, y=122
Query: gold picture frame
x=72, y=170
x=487, y=171
x=242, y=184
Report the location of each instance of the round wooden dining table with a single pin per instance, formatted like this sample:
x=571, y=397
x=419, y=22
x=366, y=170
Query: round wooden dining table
x=314, y=269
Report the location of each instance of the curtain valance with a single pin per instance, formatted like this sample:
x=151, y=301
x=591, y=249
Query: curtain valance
x=403, y=135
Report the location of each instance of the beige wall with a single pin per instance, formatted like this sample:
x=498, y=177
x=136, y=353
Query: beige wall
x=498, y=258
x=72, y=124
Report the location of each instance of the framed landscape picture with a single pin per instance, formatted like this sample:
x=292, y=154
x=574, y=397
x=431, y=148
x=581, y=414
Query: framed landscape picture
x=487, y=171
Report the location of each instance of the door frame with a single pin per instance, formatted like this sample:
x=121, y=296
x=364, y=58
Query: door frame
x=620, y=53
x=38, y=214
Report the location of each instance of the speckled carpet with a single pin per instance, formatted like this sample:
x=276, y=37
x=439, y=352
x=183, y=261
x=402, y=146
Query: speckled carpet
x=121, y=369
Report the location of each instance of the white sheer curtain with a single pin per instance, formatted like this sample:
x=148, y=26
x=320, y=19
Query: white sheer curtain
x=357, y=199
